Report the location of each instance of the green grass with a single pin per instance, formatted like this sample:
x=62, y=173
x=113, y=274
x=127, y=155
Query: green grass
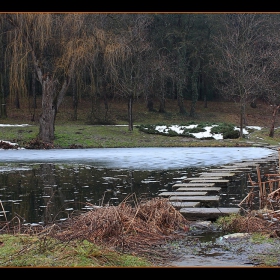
x=99, y=136
x=27, y=251
x=79, y=132
x=261, y=238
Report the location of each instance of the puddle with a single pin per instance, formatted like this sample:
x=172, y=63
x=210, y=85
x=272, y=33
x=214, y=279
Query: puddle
x=211, y=261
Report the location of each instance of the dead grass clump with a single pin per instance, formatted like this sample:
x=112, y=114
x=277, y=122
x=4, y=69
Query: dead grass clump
x=38, y=144
x=249, y=224
x=125, y=228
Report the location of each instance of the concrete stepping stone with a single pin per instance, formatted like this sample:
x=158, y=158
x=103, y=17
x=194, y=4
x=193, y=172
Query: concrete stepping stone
x=203, y=184
x=205, y=178
x=235, y=168
x=207, y=213
x=197, y=189
x=230, y=169
x=210, y=180
x=184, y=204
x=216, y=174
x=187, y=193
x=207, y=198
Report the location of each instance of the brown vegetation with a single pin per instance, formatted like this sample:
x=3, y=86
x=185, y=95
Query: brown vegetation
x=266, y=218
x=5, y=145
x=216, y=111
x=131, y=227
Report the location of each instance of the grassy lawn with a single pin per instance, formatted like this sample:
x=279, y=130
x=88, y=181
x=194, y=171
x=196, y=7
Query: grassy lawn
x=87, y=132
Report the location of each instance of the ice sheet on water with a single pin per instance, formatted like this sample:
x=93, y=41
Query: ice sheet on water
x=153, y=158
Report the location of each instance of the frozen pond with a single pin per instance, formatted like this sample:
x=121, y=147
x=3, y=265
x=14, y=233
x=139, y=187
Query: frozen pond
x=138, y=158
x=43, y=185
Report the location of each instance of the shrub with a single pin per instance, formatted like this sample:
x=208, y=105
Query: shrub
x=227, y=130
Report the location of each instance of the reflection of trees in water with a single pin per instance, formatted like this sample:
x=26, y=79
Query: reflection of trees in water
x=52, y=200
x=60, y=188
x=49, y=192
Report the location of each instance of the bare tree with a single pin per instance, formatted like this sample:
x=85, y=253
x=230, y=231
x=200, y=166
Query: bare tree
x=270, y=83
x=240, y=65
x=125, y=58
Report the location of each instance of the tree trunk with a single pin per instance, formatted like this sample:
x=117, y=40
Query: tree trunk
x=49, y=111
x=244, y=116
x=242, y=109
x=205, y=91
x=130, y=123
x=150, y=105
x=161, y=105
x=16, y=102
x=205, y=101
x=106, y=105
x=275, y=110
x=75, y=100
x=3, y=112
x=194, y=81
x=180, y=99
x=161, y=98
x=33, y=90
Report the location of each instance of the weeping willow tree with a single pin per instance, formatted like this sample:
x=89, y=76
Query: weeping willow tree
x=58, y=46
x=18, y=70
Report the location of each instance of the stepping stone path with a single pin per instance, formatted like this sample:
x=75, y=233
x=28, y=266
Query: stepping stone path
x=198, y=198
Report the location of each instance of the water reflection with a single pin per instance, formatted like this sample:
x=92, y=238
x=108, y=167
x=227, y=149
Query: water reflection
x=51, y=185
x=47, y=191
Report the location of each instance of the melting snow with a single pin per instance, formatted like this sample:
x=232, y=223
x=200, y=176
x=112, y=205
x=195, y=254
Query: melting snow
x=207, y=133
x=164, y=129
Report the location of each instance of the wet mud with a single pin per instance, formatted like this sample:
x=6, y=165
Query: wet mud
x=206, y=246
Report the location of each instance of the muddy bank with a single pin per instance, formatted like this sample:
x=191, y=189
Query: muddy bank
x=205, y=245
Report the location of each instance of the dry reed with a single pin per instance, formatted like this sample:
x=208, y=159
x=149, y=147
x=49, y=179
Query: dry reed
x=126, y=228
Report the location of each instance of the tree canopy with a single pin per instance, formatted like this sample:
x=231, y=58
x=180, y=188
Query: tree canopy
x=185, y=56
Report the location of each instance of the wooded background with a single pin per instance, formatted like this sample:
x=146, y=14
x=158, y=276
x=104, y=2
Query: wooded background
x=154, y=57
